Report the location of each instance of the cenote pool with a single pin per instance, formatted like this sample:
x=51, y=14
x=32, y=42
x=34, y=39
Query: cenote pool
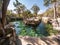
x=22, y=29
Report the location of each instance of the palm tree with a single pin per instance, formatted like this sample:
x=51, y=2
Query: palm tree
x=4, y=10
x=51, y=3
x=35, y=9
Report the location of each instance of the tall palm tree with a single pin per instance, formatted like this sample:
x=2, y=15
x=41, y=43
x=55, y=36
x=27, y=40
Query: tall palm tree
x=51, y=3
x=35, y=9
x=4, y=10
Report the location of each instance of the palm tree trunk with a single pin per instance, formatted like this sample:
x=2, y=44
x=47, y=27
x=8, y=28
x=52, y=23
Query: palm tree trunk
x=4, y=9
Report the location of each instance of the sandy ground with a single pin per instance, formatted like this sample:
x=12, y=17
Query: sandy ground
x=50, y=40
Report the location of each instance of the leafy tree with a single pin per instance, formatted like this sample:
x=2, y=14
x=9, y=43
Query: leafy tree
x=51, y=3
x=27, y=13
x=19, y=7
x=22, y=8
x=49, y=13
x=35, y=9
x=9, y=12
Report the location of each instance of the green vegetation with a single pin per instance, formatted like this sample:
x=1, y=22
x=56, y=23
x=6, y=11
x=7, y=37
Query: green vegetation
x=27, y=14
x=23, y=12
x=35, y=9
x=29, y=31
x=51, y=3
x=25, y=31
x=50, y=30
x=50, y=12
x=9, y=12
x=20, y=8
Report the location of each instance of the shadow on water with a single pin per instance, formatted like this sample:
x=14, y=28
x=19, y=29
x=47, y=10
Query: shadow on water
x=41, y=29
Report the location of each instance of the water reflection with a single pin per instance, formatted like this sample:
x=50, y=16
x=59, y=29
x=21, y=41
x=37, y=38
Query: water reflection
x=42, y=29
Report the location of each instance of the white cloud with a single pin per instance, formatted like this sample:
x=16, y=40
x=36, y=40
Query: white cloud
x=41, y=11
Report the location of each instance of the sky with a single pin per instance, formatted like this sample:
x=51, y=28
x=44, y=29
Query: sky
x=29, y=4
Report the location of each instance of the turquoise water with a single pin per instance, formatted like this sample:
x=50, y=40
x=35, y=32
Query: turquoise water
x=41, y=29
x=19, y=26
